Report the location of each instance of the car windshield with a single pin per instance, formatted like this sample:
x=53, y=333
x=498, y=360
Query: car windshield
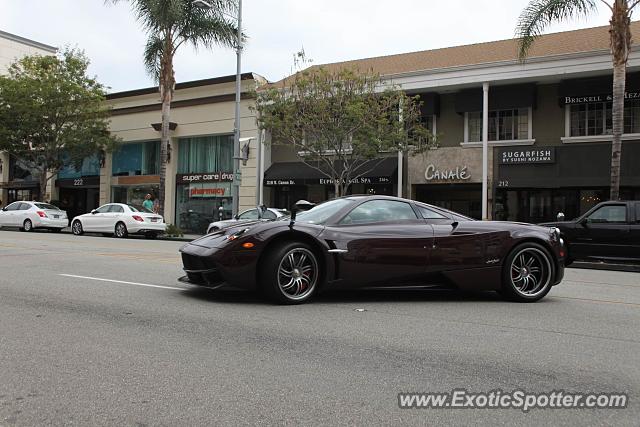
x=46, y=206
x=321, y=213
x=139, y=209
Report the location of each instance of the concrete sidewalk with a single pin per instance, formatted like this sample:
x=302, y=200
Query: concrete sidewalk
x=185, y=238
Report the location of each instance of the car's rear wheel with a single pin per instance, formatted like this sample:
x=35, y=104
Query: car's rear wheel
x=27, y=225
x=291, y=273
x=528, y=273
x=76, y=228
x=121, y=230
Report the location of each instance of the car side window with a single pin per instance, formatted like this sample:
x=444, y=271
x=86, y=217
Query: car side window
x=609, y=214
x=24, y=207
x=379, y=211
x=116, y=209
x=103, y=209
x=269, y=215
x=430, y=214
x=14, y=206
x=250, y=214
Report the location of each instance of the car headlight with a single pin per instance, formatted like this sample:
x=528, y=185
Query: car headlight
x=237, y=234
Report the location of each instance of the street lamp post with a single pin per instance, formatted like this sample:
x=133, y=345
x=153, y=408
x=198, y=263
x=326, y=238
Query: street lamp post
x=235, y=188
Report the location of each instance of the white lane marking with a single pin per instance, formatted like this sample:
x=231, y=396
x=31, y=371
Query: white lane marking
x=122, y=282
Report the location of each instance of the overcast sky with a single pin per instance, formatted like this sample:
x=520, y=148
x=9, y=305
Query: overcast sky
x=329, y=31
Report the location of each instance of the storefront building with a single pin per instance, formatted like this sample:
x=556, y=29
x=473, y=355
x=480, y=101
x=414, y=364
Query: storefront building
x=548, y=123
x=199, y=177
x=17, y=182
x=78, y=191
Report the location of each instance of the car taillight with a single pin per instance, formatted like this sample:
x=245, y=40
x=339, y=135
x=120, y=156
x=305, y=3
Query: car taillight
x=42, y=214
x=138, y=218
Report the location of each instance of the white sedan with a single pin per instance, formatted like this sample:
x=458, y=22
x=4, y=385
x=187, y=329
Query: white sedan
x=268, y=214
x=27, y=216
x=119, y=219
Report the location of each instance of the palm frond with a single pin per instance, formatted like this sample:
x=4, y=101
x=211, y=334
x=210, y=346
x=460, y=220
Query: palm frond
x=153, y=55
x=539, y=14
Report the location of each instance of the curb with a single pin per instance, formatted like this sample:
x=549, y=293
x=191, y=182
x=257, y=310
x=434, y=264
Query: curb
x=166, y=238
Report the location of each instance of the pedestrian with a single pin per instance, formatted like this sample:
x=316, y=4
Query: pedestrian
x=148, y=203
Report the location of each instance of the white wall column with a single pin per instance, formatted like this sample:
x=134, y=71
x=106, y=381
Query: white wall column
x=485, y=150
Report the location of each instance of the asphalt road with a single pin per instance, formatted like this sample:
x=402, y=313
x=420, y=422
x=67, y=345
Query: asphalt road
x=77, y=349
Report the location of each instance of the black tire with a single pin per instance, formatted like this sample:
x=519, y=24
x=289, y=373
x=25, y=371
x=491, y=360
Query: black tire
x=27, y=226
x=151, y=236
x=121, y=230
x=528, y=273
x=76, y=228
x=305, y=277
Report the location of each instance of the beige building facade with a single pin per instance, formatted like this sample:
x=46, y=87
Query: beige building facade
x=199, y=176
x=16, y=183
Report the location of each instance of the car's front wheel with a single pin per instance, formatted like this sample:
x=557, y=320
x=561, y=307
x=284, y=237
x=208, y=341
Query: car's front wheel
x=528, y=273
x=76, y=228
x=291, y=273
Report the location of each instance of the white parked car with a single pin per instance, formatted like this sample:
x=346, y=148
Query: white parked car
x=269, y=214
x=27, y=216
x=120, y=220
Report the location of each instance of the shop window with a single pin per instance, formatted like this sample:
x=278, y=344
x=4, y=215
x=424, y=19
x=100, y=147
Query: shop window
x=198, y=205
x=504, y=125
x=20, y=171
x=142, y=158
x=133, y=195
x=90, y=167
x=596, y=118
x=206, y=154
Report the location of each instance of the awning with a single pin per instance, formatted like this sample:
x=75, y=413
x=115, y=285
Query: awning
x=379, y=171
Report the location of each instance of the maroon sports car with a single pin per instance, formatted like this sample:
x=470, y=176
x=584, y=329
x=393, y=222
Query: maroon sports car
x=377, y=241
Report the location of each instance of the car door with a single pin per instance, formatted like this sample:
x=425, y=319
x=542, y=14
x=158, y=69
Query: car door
x=603, y=233
x=455, y=245
x=634, y=234
x=94, y=220
x=381, y=242
x=8, y=215
x=22, y=213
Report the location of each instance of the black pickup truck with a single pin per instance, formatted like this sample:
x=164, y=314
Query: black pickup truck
x=609, y=232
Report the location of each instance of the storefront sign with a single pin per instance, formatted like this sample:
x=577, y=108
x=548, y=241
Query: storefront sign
x=204, y=177
x=460, y=173
x=326, y=181
x=84, y=182
x=208, y=190
x=573, y=100
x=513, y=156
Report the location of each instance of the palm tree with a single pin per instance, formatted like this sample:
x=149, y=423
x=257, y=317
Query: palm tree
x=541, y=13
x=170, y=24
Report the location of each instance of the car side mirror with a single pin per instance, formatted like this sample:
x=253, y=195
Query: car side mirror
x=93, y=212
x=300, y=206
x=4, y=209
x=560, y=216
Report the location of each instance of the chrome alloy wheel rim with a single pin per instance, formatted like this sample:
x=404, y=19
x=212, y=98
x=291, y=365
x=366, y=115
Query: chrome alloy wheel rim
x=120, y=230
x=530, y=272
x=27, y=225
x=77, y=228
x=298, y=273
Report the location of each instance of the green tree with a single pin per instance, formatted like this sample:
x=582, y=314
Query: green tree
x=539, y=14
x=340, y=122
x=52, y=114
x=170, y=24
